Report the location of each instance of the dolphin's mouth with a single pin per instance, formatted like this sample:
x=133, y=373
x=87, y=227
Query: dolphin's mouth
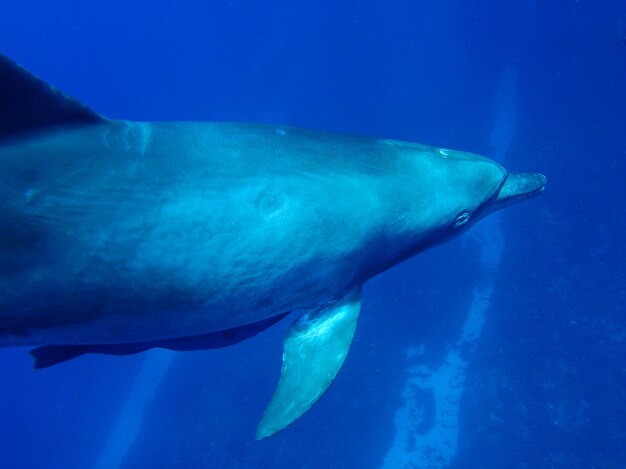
x=518, y=187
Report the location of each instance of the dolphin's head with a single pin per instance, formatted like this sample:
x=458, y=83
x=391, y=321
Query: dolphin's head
x=471, y=186
x=446, y=191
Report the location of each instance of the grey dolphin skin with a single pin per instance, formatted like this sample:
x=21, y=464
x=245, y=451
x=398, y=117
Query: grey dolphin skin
x=119, y=236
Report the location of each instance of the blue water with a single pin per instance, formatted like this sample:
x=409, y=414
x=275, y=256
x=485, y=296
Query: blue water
x=541, y=380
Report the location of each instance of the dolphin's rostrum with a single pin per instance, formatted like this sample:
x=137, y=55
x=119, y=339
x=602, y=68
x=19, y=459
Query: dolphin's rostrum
x=119, y=236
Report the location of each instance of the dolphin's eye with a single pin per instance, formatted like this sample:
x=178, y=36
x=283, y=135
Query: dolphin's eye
x=462, y=218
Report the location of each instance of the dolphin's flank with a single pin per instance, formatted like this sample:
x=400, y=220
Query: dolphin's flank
x=118, y=236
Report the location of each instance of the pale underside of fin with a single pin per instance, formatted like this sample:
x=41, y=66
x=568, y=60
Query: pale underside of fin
x=316, y=347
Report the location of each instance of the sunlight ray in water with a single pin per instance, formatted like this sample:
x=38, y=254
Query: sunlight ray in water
x=130, y=418
x=435, y=447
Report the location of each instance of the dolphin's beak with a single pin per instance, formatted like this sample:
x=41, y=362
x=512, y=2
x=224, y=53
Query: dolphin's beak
x=517, y=187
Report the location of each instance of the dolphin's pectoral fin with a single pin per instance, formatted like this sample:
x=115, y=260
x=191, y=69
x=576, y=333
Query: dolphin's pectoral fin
x=316, y=346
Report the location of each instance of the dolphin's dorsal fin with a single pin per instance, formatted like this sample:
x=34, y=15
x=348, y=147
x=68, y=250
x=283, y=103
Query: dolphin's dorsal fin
x=28, y=104
x=316, y=346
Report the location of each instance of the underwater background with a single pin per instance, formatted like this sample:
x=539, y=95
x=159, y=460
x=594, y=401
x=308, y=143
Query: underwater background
x=505, y=348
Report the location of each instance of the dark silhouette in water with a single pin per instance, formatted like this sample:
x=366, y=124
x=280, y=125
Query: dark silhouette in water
x=49, y=355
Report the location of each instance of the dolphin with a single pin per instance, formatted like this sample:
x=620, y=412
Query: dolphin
x=120, y=236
